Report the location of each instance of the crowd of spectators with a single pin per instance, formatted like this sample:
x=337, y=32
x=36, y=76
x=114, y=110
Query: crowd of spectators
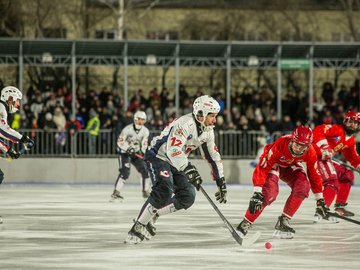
x=252, y=109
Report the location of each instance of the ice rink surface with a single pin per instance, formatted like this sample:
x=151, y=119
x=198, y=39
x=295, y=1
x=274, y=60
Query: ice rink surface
x=75, y=227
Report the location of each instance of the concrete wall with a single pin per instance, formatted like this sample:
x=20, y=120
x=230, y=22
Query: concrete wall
x=64, y=170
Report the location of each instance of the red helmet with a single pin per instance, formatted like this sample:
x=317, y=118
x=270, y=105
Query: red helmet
x=352, y=115
x=349, y=128
x=302, y=135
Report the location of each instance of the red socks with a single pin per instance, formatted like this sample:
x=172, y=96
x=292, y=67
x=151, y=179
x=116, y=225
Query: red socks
x=344, y=192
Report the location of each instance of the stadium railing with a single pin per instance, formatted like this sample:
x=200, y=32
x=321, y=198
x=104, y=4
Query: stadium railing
x=232, y=144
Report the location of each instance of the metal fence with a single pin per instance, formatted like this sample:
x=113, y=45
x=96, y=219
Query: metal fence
x=52, y=143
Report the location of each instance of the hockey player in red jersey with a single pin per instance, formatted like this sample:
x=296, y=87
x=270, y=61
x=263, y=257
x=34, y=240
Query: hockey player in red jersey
x=282, y=160
x=337, y=180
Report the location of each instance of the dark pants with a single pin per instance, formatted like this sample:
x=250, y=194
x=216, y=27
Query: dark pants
x=124, y=166
x=1, y=176
x=167, y=181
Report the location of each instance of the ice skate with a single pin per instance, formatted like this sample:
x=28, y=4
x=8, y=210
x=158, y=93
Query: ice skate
x=145, y=194
x=340, y=208
x=283, y=229
x=243, y=227
x=318, y=218
x=116, y=197
x=150, y=227
x=136, y=234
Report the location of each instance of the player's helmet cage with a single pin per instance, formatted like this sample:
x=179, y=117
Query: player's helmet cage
x=139, y=115
x=354, y=116
x=302, y=135
x=204, y=105
x=10, y=91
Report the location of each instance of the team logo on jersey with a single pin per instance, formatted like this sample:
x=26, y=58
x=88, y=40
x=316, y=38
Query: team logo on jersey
x=338, y=147
x=189, y=137
x=288, y=161
x=216, y=149
x=179, y=132
x=176, y=153
x=337, y=139
x=164, y=174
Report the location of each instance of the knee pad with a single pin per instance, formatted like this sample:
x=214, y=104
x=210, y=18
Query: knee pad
x=270, y=189
x=301, y=189
x=347, y=177
x=1, y=176
x=185, y=198
x=124, y=173
x=332, y=184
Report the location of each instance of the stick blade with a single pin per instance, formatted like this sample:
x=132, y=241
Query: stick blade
x=251, y=239
x=334, y=214
x=247, y=241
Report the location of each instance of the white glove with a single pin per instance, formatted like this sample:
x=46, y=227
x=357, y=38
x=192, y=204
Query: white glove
x=326, y=152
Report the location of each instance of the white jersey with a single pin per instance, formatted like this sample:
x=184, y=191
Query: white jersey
x=135, y=138
x=6, y=131
x=180, y=138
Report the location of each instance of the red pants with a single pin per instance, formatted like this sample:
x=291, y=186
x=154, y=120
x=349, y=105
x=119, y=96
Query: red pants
x=295, y=177
x=337, y=181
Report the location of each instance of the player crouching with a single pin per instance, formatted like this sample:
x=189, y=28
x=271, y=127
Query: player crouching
x=282, y=160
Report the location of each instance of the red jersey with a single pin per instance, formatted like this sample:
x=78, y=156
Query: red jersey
x=278, y=153
x=334, y=136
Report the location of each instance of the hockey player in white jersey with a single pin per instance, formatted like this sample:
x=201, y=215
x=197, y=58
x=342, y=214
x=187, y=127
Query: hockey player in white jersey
x=174, y=178
x=132, y=144
x=10, y=103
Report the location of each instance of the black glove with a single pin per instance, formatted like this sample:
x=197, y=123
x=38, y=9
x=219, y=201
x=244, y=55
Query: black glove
x=221, y=194
x=27, y=142
x=12, y=153
x=193, y=175
x=256, y=202
x=131, y=152
x=323, y=209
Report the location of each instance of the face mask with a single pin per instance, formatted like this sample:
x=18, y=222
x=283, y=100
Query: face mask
x=138, y=126
x=12, y=108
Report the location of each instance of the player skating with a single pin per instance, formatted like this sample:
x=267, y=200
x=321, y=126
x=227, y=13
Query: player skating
x=283, y=160
x=10, y=103
x=173, y=176
x=132, y=143
x=337, y=179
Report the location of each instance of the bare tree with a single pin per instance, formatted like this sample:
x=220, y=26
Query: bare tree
x=351, y=10
x=11, y=23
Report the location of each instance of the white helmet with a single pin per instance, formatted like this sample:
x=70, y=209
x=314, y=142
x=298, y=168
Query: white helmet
x=204, y=105
x=139, y=115
x=11, y=91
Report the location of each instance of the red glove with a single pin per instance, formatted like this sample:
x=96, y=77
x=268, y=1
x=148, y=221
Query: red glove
x=326, y=152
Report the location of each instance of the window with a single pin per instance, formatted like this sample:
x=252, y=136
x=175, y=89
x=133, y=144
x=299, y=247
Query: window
x=341, y=37
x=108, y=34
x=161, y=35
x=285, y=36
x=307, y=36
x=53, y=32
x=347, y=37
x=335, y=36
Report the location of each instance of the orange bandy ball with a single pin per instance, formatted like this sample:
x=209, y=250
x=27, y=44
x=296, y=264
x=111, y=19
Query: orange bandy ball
x=268, y=245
